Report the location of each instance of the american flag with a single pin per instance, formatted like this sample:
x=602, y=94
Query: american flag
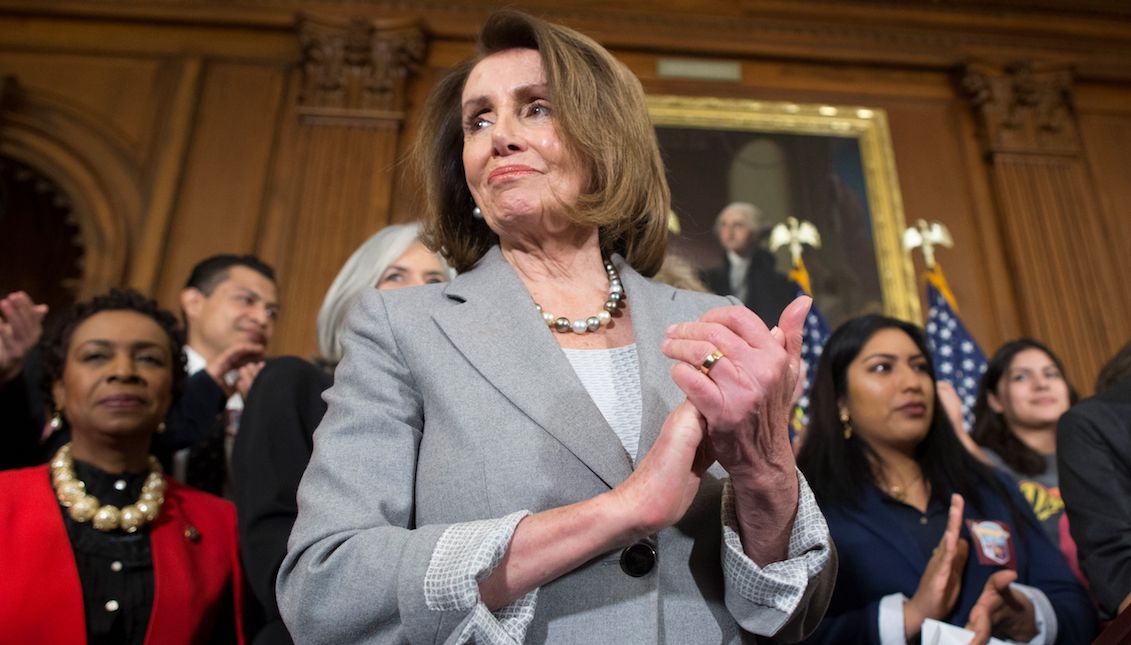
x=958, y=359
x=813, y=339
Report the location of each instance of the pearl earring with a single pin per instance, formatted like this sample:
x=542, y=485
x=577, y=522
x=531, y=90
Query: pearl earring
x=476, y=212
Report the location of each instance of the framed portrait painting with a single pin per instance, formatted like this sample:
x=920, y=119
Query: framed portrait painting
x=829, y=165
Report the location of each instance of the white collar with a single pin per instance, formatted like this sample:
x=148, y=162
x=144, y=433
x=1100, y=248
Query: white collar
x=194, y=361
x=736, y=259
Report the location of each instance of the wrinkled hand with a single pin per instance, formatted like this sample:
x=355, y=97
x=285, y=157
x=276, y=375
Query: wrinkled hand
x=746, y=400
x=747, y=397
x=21, y=325
x=246, y=377
x=662, y=486
x=942, y=580
x=1001, y=610
x=233, y=358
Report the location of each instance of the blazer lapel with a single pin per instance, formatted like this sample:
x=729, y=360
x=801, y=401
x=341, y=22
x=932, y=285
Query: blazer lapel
x=652, y=312
x=497, y=329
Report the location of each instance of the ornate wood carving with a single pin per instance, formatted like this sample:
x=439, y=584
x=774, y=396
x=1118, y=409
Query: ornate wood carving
x=1047, y=210
x=1023, y=107
x=357, y=69
x=334, y=176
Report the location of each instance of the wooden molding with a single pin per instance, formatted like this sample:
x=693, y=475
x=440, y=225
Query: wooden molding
x=167, y=170
x=922, y=33
x=355, y=70
x=1023, y=107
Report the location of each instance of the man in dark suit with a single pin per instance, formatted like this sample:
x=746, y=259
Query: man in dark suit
x=230, y=303
x=747, y=270
x=1094, y=454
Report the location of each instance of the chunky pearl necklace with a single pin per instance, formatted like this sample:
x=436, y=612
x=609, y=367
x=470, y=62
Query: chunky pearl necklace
x=82, y=507
x=561, y=324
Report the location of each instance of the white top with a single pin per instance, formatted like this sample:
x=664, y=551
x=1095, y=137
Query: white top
x=612, y=378
x=738, y=267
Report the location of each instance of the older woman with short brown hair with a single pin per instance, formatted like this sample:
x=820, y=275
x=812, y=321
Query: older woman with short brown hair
x=553, y=447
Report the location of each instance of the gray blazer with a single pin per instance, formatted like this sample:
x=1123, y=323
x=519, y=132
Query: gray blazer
x=454, y=403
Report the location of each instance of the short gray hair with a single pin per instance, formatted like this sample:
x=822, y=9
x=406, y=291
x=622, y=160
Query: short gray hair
x=360, y=272
x=751, y=213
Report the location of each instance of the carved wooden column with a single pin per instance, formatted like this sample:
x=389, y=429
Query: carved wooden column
x=337, y=160
x=1048, y=215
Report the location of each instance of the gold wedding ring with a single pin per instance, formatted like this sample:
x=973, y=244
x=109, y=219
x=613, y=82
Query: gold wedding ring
x=710, y=361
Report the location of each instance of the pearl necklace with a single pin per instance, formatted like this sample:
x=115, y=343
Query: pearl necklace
x=71, y=493
x=561, y=324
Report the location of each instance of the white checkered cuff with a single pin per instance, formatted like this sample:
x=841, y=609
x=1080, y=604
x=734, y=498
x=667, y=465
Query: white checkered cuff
x=465, y=554
x=775, y=590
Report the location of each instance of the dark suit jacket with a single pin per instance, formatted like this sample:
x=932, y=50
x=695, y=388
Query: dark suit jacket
x=767, y=291
x=195, y=580
x=21, y=419
x=270, y=454
x=1093, y=443
x=879, y=557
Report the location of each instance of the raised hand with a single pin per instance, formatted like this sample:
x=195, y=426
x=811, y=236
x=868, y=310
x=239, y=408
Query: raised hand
x=942, y=580
x=21, y=325
x=231, y=359
x=1001, y=610
x=952, y=405
x=246, y=377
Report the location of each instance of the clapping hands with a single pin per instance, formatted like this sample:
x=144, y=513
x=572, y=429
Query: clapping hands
x=21, y=325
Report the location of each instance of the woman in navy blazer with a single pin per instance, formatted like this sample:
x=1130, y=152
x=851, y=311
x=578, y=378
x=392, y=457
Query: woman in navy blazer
x=923, y=529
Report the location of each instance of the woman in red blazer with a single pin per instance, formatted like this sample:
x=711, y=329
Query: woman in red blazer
x=99, y=546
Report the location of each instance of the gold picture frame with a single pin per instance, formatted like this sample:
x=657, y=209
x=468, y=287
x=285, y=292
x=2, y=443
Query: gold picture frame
x=697, y=137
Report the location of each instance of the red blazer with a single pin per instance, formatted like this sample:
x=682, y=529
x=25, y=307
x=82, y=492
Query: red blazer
x=195, y=565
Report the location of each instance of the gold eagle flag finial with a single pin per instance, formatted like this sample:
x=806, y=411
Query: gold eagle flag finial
x=794, y=233
x=925, y=236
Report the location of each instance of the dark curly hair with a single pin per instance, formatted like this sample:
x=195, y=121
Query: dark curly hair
x=990, y=428
x=57, y=342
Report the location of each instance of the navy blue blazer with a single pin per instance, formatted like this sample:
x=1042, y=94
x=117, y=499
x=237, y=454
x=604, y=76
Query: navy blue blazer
x=879, y=556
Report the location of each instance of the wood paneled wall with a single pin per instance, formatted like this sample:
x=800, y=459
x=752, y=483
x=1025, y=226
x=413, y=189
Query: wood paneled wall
x=186, y=128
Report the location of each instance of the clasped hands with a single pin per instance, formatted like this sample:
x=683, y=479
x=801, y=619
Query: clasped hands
x=999, y=609
x=736, y=413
